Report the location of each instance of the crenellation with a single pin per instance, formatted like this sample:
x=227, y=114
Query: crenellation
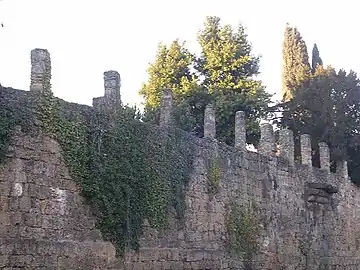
x=267, y=144
x=324, y=156
x=40, y=70
x=342, y=170
x=111, y=101
x=286, y=142
x=307, y=218
x=240, y=131
x=305, y=141
x=166, y=117
x=112, y=84
x=209, y=122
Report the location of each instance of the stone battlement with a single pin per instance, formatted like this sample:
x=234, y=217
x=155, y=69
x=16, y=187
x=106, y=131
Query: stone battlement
x=41, y=75
x=307, y=217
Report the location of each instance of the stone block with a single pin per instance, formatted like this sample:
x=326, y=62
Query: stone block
x=42, y=203
x=146, y=255
x=24, y=204
x=4, y=261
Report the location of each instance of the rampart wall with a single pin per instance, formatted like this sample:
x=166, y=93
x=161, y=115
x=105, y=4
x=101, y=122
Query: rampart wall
x=297, y=216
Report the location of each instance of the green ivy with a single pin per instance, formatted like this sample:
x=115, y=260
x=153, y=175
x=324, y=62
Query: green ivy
x=13, y=113
x=129, y=171
x=243, y=231
x=7, y=124
x=214, y=174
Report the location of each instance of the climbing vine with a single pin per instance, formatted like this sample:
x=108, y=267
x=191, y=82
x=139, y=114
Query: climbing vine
x=243, y=231
x=7, y=123
x=128, y=170
x=13, y=112
x=214, y=174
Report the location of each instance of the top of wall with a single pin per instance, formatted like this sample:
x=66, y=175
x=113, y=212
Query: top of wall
x=110, y=102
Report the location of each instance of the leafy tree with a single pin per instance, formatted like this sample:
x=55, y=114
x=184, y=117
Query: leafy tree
x=224, y=74
x=327, y=106
x=296, y=68
x=316, y=59
x=226, y=61
x=320, y=102
x=171, y=69
x=228, y=68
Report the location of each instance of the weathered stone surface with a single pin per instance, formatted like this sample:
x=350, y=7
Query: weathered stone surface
x=286, y=142
x=166, y=117
x=209, y=122
x=40, y=70
x=324, y=156
x=308, y=217
x=305, y=141
x=267, y=144
x=111, y=101
x=240, y=131
x=45, y=224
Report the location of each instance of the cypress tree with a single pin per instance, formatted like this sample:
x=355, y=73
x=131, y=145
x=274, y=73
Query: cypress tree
x=316, y=59
x=296, y=67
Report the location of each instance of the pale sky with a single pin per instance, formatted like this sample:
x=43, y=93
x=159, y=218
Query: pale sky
x=87, y=37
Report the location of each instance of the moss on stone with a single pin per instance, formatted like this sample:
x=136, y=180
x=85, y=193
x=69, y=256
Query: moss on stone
x=243, y=231
x=214, y=175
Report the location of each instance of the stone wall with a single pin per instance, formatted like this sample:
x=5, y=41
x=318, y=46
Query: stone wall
x=307, y=218
x=44, y=222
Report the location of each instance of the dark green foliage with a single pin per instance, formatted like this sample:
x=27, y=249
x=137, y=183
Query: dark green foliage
x=223, y=74
x=8, y=120
x=324, y=104
x=228, y=69
x=316, y=59
x=128, y=171
x=228, y=103
x=327, y=107
x=189, y=110
x=296, y=68
x=13, y=113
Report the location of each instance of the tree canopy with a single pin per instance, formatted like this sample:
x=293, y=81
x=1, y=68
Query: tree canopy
x=171, y=69
x=223, y=73
x=327, y=106
x=317, y=100
x=296, y=67
x=316, y=59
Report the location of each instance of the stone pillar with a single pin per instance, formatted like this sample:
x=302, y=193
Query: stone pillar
x=286, y=142
x=267, y=140
x=112, y=83
x=166, y=109
x=240, y=131
x=209, y=122
x=305, y=141
x=324, y=156
x=342, y=169
x=40, y=70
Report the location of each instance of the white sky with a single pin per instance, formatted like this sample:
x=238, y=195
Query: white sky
x=87, y=37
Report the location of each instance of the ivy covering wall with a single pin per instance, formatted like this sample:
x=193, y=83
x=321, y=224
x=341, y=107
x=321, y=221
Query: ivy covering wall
x=17, y=111
x=128, y=170
x=243, y=228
